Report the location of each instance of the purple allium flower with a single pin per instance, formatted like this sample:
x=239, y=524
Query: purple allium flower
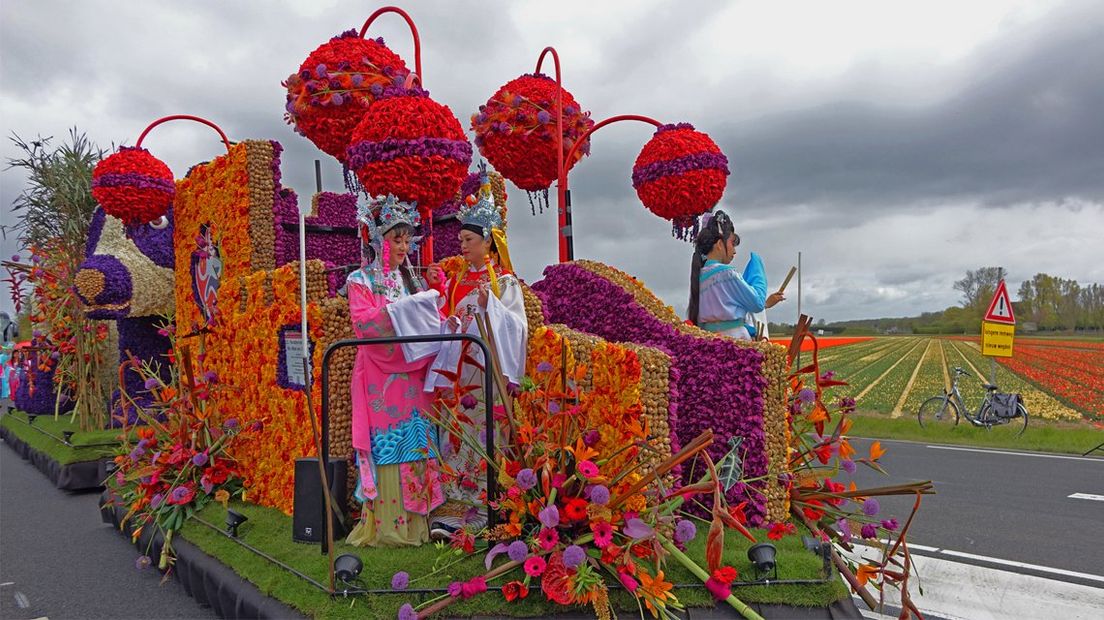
x=200, y=459
x=848, y=466
x=543, y=117
x=376, y=90
x=553, y=407
x=400, y=580
x=550, y=516
x=210, y=376
x=15, y=258
x=890, y=524
x=806, y=395
x=406, y=612
x=230, y=424
x=573, y=556
x=179, y=493
x=468, y=401
x=599, y=494
x=544, y=367
x=526, y=479
x=454, y=589
x=337, y=99
x=685, y=531
x=136, y=454
x=870, y=507
x=357, y=80
x=518, y=550
x=591, y=437
x=143, y=562
x=868, y=530
x=320, y=71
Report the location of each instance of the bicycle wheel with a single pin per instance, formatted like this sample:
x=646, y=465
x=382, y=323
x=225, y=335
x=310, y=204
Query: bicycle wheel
x=937, y=411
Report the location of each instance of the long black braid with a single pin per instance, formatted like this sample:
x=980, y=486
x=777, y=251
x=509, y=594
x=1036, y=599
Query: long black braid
x=718, y=228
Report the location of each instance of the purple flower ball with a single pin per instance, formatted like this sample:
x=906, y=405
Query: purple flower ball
x=320, y=71
x=15, y=258
x=518, y=551
x=543, y=117
x=553, y=407
x=806, y=395
x=406, y=612
x=337, y=99
x=868, y=531
x=848, y=466
x=544, y=367
x=400, y=580
x=152, y=383
x=890, y=524
x=599, y=494
x=143, y=562
x=455, y=588
x=685, y=531
x=573, y=556
x=200, y=459
x=870, y=507
x=230, y=424
x=179, y=493
x=526, y=479
x=468, y=401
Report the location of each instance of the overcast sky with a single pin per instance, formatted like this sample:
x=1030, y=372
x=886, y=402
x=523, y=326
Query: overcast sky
x=894, y=144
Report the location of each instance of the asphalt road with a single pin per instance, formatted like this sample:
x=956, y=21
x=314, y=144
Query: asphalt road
x=57, y=559
x=1000, y=505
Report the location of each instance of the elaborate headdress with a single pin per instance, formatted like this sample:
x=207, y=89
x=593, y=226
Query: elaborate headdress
x=377, y=217
x=480, y=213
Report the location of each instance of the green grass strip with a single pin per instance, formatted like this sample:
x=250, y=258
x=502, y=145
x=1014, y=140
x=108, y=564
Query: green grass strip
x=270, y=531
x=46, y=436
x=1065, y=438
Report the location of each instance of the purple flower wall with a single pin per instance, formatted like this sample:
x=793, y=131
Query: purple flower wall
x=719, y=383
x=336, y=249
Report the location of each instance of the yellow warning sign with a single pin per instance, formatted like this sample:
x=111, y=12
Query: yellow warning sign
x=996, y=339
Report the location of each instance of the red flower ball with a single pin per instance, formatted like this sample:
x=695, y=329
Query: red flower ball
x=334, y=86
x=133, y=186
x=410, y=146
x=680, y=174
x=515, y=130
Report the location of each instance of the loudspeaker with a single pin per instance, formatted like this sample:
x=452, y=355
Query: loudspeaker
x=308, y=521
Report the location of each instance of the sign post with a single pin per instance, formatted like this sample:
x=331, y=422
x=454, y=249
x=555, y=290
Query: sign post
x=998, y=329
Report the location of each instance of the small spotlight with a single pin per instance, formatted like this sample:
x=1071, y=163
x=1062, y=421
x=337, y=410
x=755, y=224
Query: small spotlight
x=31, y=419
x=68, y=436
x=347, y=566
x=812, y=544
x=762, y=557
x=233, y=520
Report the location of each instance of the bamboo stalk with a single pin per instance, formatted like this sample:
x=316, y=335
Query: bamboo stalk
x=699, y=443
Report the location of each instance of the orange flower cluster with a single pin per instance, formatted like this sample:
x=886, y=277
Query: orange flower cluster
x=232, y=194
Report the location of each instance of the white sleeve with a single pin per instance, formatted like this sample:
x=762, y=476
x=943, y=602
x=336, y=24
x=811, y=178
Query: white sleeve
x=510, y=326
x=416, y=315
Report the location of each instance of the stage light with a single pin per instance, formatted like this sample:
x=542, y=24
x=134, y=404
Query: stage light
x=762, y=556
x=812, y=544
x=233, y=520
x=68, y=436
x=347, y=566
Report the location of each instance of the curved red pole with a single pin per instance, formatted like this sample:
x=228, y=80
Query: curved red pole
x=184, y=117
x=563, y=209
x=609, y=121
x=409, y=22
x=427, y=247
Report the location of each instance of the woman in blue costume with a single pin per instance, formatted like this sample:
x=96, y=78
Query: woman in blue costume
x=721, y=298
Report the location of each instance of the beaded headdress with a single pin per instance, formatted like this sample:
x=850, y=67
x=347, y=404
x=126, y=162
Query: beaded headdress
x=480, y=210
x=377, y=217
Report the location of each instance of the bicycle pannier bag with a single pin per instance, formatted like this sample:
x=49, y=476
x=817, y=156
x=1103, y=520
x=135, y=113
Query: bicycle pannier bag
x=1004, y=405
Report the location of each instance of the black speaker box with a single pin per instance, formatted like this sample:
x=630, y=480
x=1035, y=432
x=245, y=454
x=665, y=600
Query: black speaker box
x=308, y=519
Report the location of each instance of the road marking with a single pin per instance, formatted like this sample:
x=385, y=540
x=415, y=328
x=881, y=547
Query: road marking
x=21, y=600
x=7, y=583
x=1099, y=498
x=1043, y=456
x=1036, y=567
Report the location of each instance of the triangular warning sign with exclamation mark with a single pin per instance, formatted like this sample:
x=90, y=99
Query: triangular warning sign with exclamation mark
x=1000, y=309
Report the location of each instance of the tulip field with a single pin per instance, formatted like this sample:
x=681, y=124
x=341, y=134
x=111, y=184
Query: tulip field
x=1059, y=379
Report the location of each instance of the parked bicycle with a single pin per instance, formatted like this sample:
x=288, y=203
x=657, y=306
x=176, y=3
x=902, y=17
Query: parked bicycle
x=995, y=409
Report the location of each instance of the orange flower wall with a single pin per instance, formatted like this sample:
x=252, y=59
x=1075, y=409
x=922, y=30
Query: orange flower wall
x=233, y=195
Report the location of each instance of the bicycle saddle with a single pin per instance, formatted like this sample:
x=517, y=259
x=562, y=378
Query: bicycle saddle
x=990, y=387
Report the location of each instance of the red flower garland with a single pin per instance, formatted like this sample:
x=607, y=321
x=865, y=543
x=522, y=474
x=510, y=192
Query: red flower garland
x=133, y=186
x=410, y=146
x=516, y=128
x=680, y=174
x=335, y=85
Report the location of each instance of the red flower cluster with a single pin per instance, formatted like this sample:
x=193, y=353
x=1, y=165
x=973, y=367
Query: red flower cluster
x=515, y=130
x=334, y=86
x=133, y=186
x=410, y=146
x=680, y=174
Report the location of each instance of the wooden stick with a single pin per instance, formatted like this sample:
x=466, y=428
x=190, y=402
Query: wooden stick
x=699, y=443
x=786, y=282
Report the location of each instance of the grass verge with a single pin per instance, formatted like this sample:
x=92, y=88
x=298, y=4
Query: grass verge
x=270, y=531
x=46, y=436
x=1040, y=436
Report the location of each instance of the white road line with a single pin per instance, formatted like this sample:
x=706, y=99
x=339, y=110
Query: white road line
x=1099, y=498
x=1036, y=567
x=1043, y=456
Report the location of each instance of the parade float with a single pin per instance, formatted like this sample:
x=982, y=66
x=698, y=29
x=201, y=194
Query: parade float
x=644, y=464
